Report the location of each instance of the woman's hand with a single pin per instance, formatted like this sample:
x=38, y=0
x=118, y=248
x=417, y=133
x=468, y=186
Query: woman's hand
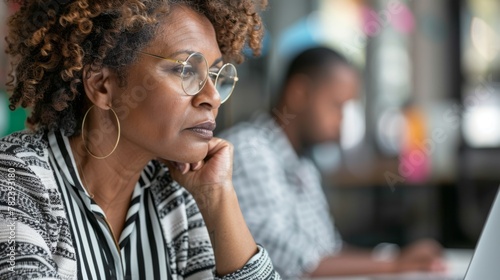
x=210, y=183
x=214, y=173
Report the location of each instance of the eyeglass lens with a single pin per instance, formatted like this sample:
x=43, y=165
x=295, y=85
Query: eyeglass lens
x=226, y=81
x=194, y=74
x=194, y=77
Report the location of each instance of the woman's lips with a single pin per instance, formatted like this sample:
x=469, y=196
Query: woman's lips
x=204, y=130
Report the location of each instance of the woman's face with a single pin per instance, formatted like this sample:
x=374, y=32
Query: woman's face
x=156, y=116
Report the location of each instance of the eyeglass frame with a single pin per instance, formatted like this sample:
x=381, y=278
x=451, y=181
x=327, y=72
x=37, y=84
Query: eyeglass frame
x=210, y=73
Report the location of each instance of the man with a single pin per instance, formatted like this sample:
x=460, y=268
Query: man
x=279, y=188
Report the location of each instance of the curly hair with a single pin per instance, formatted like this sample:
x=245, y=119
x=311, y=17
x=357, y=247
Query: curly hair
x=52, y=43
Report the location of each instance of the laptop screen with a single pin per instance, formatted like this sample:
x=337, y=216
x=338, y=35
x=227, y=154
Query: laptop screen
x=485, y=263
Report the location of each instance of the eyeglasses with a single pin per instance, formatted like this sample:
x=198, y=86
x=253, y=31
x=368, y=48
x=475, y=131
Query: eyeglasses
x=194, y=73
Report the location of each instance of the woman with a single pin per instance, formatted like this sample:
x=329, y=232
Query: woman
x=124, y=96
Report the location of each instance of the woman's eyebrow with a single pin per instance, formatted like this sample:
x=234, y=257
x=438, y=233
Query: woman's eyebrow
x=217, y=61
x=188, y=52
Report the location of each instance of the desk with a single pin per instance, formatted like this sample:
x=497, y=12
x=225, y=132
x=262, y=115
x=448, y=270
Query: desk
x=457, y=260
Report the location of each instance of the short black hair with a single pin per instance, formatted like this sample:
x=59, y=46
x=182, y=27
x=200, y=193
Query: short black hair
x=313, y=61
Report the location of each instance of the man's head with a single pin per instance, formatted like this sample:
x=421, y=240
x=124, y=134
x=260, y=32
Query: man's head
x=317, y=84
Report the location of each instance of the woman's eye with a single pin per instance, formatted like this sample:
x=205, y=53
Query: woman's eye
x=176, y=70
x=189, y=71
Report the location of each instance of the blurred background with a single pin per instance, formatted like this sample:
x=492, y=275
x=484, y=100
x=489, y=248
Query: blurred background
x=420, y=148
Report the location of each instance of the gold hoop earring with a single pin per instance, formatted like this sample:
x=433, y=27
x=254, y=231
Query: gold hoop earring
x=117, y=139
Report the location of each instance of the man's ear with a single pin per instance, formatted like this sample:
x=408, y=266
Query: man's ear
x=297, y=92
x=98, y=87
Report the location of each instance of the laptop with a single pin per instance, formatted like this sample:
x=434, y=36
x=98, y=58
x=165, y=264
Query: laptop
x=485, y=264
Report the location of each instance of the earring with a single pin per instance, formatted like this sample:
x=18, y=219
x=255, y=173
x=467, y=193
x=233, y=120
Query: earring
x=117, y=139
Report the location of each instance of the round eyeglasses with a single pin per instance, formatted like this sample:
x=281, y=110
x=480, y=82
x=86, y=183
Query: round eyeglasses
x=194, y=73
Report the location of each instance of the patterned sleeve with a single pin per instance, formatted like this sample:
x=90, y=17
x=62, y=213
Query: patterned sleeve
x=24, y=249
x=259, y=267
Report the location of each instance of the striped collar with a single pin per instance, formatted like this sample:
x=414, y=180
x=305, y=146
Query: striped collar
x=65, y=160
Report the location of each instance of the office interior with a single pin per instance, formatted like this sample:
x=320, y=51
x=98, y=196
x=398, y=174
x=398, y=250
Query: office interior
x=420, y=148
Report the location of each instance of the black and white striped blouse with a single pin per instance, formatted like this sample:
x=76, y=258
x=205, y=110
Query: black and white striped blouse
x=50, y=228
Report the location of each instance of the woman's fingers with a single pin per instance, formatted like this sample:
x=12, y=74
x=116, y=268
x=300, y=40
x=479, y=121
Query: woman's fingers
x=174, y=166
x=196, y=166
x=215, y=169
x=184, y=168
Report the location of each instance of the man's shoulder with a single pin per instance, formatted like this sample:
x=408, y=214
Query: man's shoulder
x=259, y=127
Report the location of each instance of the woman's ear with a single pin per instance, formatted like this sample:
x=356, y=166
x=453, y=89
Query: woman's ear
x=98, y=86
